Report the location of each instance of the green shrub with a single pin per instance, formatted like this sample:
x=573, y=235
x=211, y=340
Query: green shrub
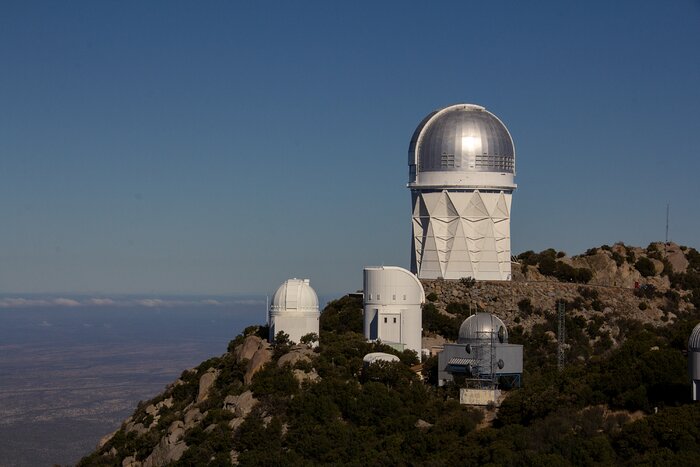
x=618, y=258
x=432, y=297
x=525, y=306
x=645, y=266
x=467, y=281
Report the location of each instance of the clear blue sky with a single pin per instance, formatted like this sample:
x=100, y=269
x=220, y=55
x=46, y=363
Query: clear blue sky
x=222, y=147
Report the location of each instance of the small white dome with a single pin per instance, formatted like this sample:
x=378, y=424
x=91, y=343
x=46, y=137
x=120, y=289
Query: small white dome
x=294, y=295
x=483, y=326
x=379, y=357
x=694, y=341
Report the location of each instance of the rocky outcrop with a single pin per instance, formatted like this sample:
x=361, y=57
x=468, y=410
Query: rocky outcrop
x=676, y=257
x=192, y=417
x=300, y=353
x=260, y=358
x=240, y=405
x=502, y=298
x=205, y=383
x=170, y=448
x=245, y=351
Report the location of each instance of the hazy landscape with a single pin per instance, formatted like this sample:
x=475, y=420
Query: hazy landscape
x=71, y=370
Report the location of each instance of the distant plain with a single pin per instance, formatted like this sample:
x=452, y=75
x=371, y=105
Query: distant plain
x=71, y=371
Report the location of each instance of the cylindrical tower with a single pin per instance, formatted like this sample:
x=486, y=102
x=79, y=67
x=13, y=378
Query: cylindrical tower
x=461, y=175
x=392, y=307
x=694, y=362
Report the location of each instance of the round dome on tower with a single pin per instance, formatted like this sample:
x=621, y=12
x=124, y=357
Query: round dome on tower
x=462, y=138
x=483, y=327
x=295, y=295
x=694, y=341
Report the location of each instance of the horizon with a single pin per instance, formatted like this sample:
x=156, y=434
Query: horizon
x=172, y=149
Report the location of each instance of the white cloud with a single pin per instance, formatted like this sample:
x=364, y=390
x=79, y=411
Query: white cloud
x=152, y=302
x=65, y=302
x=211, y=302
x=21, y=302
x=101, y=301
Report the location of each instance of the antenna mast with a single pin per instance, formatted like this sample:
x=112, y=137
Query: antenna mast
x=668, y=205
x=561, y=335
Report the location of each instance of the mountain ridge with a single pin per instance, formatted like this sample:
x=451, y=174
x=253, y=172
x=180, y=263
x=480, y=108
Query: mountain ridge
x=626, y=321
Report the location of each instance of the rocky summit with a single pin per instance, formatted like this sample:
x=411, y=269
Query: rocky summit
x=622, y=396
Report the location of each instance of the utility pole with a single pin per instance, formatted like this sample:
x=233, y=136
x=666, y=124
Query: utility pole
x=561, y=336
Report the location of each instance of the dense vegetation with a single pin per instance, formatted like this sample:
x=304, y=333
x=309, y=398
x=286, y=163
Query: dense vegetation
x=625, y=403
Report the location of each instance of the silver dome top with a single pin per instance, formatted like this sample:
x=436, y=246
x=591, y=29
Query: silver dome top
x=483, y=327
x=462, y=138
x=694, y=341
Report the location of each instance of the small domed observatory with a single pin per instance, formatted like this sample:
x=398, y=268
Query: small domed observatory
x=392, y=307
x=294, y=310
x=482, y=353
x=461, y=163
x=694, y=362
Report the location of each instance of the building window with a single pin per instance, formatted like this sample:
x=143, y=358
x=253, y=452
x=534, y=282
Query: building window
x=370, y=296
x=379, y=297
x=385, y=319
x=394, y=320
x=404, y=296
x=393, y=297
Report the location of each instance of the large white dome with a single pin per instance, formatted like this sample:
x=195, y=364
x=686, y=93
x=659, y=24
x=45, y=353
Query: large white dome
x=483, y=327
x=294, y=295
x=464, y=140
x=462, y=137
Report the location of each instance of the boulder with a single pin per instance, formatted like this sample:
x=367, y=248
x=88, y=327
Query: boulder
x=130, y=461
x=167, y=403
x=170, y=448
x=261, y=357
x=137, y=427
x=658, y=266
x=192, y=418
x=235, y=423
x=240, y=405
x=422, y=424
x=247, y=349
x=292, y=357
x=676, y=258
x=205, y=383
x=302, y=376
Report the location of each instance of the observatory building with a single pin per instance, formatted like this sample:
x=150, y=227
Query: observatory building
x=482, y=353
x=694, y=362
x=461, y=174
x=392, y=307
x=294, y=310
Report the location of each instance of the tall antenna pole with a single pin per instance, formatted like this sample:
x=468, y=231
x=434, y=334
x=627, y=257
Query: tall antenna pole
x=668, y=205
x=561, y=335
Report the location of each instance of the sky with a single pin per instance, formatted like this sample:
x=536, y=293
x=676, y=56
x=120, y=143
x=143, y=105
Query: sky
x=171, y=147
